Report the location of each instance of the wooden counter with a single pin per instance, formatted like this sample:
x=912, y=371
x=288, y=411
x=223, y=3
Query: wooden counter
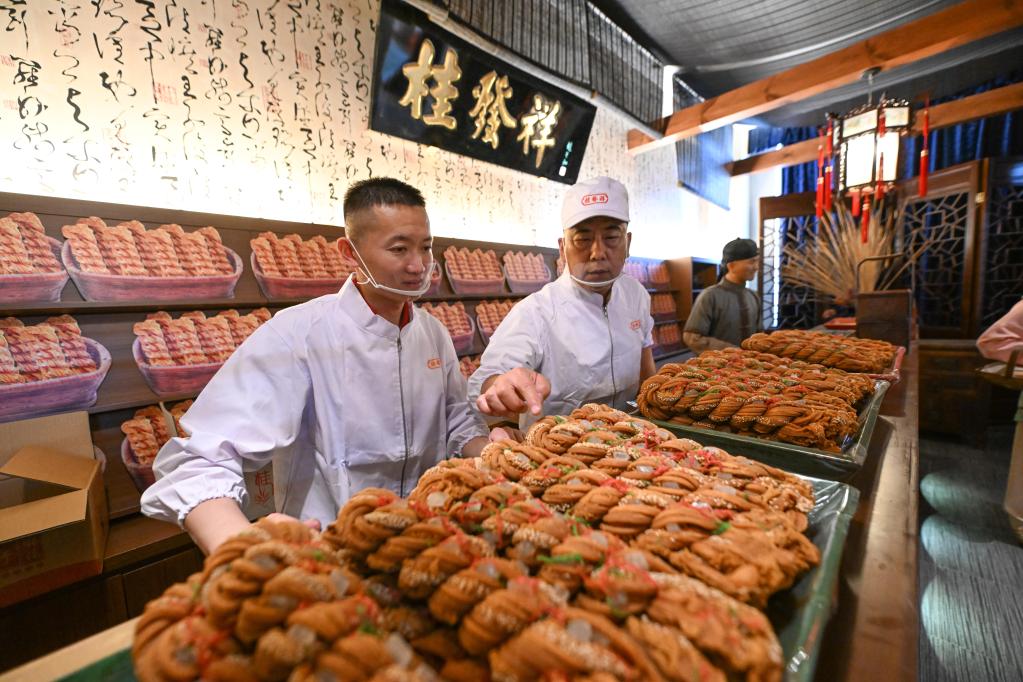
x=874, y=634
x=76, y=656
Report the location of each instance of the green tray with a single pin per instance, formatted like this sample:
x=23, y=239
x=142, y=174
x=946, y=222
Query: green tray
x=798, y=614
x=114, y=668
x=796, y=458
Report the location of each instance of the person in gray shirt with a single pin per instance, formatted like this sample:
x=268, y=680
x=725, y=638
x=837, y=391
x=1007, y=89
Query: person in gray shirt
x=726, y=313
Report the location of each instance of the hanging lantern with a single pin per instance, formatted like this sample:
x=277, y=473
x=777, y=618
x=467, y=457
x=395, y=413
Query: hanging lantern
x=869, y=140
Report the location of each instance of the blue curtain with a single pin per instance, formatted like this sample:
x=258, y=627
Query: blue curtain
x=799, y=178
x=701, y=163
x=992, y=137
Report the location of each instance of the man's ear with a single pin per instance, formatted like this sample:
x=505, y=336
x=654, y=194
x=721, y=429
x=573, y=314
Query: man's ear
x=345, y=248
x=628, y=243
x=561, y=250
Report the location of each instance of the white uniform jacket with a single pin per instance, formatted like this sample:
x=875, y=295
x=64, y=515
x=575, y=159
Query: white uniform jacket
x=590, y=352
x=337, y=396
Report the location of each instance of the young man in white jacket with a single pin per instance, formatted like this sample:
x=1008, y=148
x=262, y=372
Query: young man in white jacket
x=585, y=337
x=347, y=391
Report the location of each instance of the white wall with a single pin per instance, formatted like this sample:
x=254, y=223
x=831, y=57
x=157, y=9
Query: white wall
x=280, y=134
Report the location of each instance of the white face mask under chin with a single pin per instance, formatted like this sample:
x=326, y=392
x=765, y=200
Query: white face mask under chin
x=595, y=285
x=424, y=287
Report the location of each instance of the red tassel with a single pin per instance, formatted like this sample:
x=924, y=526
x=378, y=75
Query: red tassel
x=818, y=206
x=924, y=163
x=880, y=178
x=829, y=154
x=819, y=203
x=865, y=224
x=828, y=195
x=855, y=196
x=881, y=129
x=925, y=160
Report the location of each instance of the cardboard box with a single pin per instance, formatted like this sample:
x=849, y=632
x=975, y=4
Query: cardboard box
x=53, y=511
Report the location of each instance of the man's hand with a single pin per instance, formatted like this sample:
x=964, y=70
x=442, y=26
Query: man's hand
x=506, y=433
x=278, y=517
x=474, y=446
x=214, y=521
x=514, y=392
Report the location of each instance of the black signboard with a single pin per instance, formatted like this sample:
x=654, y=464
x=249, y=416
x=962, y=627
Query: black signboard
x=431, y=87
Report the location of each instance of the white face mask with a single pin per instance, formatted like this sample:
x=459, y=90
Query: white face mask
x=423, y=288
x=594, y=285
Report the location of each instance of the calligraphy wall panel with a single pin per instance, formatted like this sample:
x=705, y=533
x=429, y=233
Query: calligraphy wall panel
x=257, y=108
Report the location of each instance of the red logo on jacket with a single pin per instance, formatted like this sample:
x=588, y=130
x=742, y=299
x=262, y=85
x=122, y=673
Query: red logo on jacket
x=594, y=199
x=433, y=363
x=635, y=325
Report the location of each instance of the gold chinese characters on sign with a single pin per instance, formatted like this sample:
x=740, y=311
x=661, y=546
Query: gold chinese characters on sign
x=490, y=111
x=444, y=77
x=537, y=124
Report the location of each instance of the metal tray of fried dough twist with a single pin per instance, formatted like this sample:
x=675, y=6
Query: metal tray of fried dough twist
x=798, y=614
x=834, y=466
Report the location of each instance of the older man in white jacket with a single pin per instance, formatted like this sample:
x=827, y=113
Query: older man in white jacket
x=587, y=336
x=347, y=391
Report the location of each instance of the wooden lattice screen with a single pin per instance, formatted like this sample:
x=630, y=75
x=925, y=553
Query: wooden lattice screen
x=962, y=284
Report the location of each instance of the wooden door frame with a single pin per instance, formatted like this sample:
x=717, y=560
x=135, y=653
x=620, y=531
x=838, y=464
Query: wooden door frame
x=971, y=176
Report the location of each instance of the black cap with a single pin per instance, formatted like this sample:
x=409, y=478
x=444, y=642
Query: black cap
x=738, y=249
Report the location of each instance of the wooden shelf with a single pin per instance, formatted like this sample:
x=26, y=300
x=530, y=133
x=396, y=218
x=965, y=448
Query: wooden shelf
x=137, y=402
x=76, y=307
x=138, y=538
x=110, y=323
x=454, y=298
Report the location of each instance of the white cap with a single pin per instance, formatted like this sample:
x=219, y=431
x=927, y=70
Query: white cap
x=594, y=197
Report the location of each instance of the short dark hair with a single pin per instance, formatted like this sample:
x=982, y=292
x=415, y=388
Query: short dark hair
x=377, y=192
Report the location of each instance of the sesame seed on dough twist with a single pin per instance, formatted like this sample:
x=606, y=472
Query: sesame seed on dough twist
x=533, y=541
x=360, y=504
x=176, y=602
x=677, y=658
x=577, y=643
x=550, y=472
x=513, y=460
x=734, y=635
x=183, y=651
x=422, y=574
x=621, y=587
x=592, y=507
x=505, y=612
x=572, y=559
x=413, y=540
x=458, y=594
x=505, y=522
x=562, y=496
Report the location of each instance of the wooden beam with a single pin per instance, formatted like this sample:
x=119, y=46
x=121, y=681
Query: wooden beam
x=991, y=103
x=789, y=155
x=930, y=35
